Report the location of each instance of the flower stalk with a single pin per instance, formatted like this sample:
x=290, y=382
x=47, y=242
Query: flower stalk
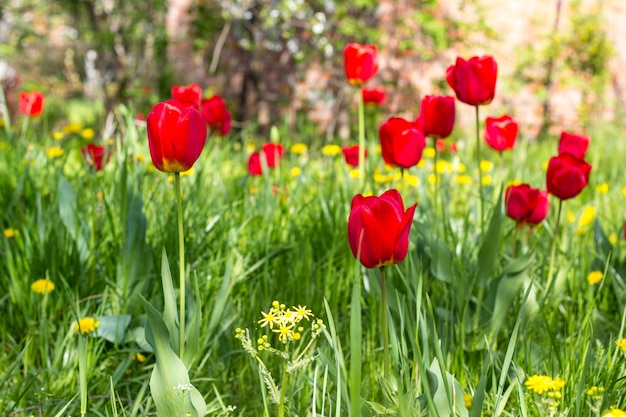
x=181, y=249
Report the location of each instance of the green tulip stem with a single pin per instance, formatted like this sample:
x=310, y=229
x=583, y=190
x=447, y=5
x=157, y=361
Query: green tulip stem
x=480, y=174
x=553, y=250
x=361, y=137
x=435, y=181
x=383, y=290
x=181, y=249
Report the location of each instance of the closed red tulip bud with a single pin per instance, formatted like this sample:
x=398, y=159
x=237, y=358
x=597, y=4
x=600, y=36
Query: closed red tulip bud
x=351, y=155
x=473, y=81
x=501, y=132
x=526, y=205
x=378, y=229
x=401, y=142
x=189, y=95
x=94, y=155
x=436, y=118
x=567, y=176
x=375, y=95
x=272, y=153
x=216, y=114
x=176, y=135
x=573, y=144
x=360, y=63
x=31, y=104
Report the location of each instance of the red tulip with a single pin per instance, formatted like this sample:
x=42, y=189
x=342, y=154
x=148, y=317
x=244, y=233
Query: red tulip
x=272, y=152
x=574, y=144
x=473, y=81
x=378, y=229
x=176, y=135
x=526, y=205
x=189, y=95
x=567, y=176
x=501, y=132
x=401, y=142
x=31, y=104
x=216, y=114
x=94, y=155
x=351, y=155
x=375, y=95
x=360, y=63
x=436, y=118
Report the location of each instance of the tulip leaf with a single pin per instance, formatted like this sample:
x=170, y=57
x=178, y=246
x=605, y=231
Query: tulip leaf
x=113, y=328
x=170, y=386
x=506, y=288
x=74, y=225
x=170, y=313
x=490, y=247
x=192, y=345
x=444, y=405
x=603, y=246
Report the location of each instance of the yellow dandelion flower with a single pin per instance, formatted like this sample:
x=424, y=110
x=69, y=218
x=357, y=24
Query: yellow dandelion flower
x=42, y=286
x=4, y=145
x=487, y=180
x=624, y=191
x=295, y=171
x=1, y=120
x=72, y=128
x=355, y=173
x=10, y=233
x=486, y=166
x=463, y=179
x=513, y=182
x=99, y=195
x=603, y=188
x=468, y=399
x=429, y=152
x=544, y=165
x=614, y=412
x=443, y=167
x=421, y=163
x=594, y=277
x=254, y=190
x=298, y=148
x=613, y=238
x=381, y=178
x=379, y=149
x=57, y=135
x=187, y=173
x=460, y=167
x=540, y=384
x=140, y=158
x=302, y=312
x=412, y=180
x=587, y=217
x=432, y=179
x=621, y=344
x=55, y=152
x=331, y=150
x=110, y=141
x=170, y=179
x=250, y=147
x=86, y=325
x=88, y=133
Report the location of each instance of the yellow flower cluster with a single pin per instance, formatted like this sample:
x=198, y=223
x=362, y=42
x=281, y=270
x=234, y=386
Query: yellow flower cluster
x=284, y=321
x=86, y=325
x=595, y=392
x=614, y=412
x=621, y=344
x=331, y=150
x=10, y=233
x=42, y=286
x=594, y=277
x=540, y=384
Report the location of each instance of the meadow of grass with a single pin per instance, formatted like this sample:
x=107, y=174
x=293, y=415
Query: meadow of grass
x=475, y=327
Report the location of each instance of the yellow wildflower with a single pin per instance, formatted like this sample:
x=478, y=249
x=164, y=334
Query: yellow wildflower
x=270, y=318
x=140, y=158
x=4, y=145
x=624, y=191
x=139, y=357
x=412, y=180
x=355, y=173
x=586, y=219
x=542, y=383
x=331, y=150
x=86, y=325
x=10, y=233
x=463, y=179
x=170, y=179
x=432, y=179
x=42, y=286
x=571, y=217
x=55, y=152
x=72, y=128
x=468, y=399
x=486, y=166
x=621, y=344
x=302, y=312
x=614, y=412
x=57, y=135
x=595, y=391
x=603, y=188
x=88, y=133
x=298, y=148
x=421, y=163
x=443, y=166
x=487, y=180
x=429, y=152
x=613, y=238
x=295, y=171
x=594, y=277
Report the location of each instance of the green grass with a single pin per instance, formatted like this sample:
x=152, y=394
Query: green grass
x=250, y=241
